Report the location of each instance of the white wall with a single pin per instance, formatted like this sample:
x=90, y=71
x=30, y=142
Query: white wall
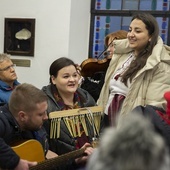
x=62, y=29
x=79, y=29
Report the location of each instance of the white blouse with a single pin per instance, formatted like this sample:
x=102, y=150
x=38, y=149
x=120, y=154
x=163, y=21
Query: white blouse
x=116, y=85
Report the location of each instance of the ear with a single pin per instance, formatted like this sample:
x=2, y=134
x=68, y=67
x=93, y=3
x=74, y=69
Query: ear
x=22, y=116
x=53, y=79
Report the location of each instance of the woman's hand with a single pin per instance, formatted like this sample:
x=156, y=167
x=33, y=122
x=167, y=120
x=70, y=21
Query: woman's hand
x=88, y=151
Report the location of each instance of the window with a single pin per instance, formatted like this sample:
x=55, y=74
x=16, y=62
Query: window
x=111, y=15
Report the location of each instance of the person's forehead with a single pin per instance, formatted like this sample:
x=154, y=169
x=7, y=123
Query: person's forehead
x=67, y=69
x=137, y=23
x=5, y=63
x=41, y=106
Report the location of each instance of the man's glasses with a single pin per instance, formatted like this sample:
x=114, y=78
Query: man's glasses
x=8, y=68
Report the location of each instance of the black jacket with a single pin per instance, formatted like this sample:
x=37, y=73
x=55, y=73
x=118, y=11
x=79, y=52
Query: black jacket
x=10, y=133
x=159, y=124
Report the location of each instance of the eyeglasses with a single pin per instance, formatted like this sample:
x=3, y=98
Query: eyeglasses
x=8, y=68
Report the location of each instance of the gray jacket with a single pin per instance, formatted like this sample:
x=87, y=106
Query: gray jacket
x=66, y=143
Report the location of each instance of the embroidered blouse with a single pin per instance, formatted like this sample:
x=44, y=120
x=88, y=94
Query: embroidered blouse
x=117, y=87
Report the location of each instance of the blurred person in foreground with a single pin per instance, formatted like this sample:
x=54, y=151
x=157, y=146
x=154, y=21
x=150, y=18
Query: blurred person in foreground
x=133, y=146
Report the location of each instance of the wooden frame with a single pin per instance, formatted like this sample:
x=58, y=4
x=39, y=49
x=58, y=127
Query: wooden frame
x=19, y=36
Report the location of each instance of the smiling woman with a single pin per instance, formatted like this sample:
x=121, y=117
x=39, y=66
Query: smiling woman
x=63, y=94
x=138, y=73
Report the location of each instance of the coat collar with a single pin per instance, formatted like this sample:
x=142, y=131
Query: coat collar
x=5, y=86
x=160, y=53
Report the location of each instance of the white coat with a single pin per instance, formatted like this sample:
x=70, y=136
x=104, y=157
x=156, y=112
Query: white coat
x=149, y=84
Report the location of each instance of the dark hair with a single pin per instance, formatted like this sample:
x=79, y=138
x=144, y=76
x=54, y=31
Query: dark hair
x=153, y=31
x=58, y=65
x=25, y=97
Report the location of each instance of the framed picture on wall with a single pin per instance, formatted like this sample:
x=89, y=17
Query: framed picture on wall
x=19, y=36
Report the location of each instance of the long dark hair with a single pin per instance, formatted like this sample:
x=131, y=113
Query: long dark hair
x=153, y=31
x=58, y=65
